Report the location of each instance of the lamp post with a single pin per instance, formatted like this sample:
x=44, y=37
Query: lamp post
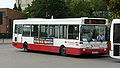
x=46, y=9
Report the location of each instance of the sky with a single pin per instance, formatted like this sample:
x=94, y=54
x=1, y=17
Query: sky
x=7, y=3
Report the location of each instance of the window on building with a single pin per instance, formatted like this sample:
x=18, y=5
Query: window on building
x=1, y=17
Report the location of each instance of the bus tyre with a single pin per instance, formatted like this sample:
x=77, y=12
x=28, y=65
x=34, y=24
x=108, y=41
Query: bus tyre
x=25, y=46
x=63, y=51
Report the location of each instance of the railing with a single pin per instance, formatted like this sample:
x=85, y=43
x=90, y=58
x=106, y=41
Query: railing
x=5, y=41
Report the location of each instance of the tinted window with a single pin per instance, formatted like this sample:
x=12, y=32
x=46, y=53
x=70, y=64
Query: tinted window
x=116, y=35
x=27, y=30
x=93, y=33
x=73, y=32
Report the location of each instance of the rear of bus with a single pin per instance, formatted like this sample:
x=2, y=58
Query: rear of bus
x=93, y=36
x=115, y=39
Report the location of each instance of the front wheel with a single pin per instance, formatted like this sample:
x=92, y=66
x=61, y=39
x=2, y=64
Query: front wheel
x=63, y=51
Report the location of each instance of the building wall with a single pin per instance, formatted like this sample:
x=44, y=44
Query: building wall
x=7, y=19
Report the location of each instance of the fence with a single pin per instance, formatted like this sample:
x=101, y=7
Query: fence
x=5, y=41
x=5, y=38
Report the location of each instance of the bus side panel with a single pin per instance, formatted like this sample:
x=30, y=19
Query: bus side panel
x=46, y=48
x=73, y=51
x=54, y=49
x=38, y=47
x=76, y=51
x=17, y=45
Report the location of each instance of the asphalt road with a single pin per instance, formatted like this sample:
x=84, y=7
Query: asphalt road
x=11, y=57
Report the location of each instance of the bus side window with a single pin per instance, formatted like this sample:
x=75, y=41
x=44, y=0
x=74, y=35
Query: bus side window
x=34, y=31
x=18, y=28
x=73, y=32
x=63, y=31
x=43, y=31
x=56, y=31
x=51, y=31
x=27, y=30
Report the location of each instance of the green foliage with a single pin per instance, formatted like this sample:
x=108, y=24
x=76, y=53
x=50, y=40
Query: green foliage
x=71, y=8
x=92, y=8
x=99, y=8
x=19, y=8
x=38, y=8
x=80, y=8
x=15, y=7
x=114, y=6
x=5, y=35
x=27, y=11
x=48, y=8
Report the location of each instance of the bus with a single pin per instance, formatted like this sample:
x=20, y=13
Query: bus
x=75, y=36
x=115, y=39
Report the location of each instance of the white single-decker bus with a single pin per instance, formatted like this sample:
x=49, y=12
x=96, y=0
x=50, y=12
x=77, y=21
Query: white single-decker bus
x=115, y=39
x=75, y=36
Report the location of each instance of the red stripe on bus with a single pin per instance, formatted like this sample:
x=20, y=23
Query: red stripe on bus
x=56, y=49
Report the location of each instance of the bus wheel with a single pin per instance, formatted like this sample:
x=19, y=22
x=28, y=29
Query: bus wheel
x=63, y=51
x=25, y=47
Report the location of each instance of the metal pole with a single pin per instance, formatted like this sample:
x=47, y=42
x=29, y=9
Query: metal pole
x=3, y=38
x=46, y=8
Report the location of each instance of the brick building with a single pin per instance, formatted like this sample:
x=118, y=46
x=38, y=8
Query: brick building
x=6, y=19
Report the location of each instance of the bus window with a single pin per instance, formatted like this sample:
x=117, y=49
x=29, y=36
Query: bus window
x=27, y=30
x=73, y=32
x=116, y=36
x=18, y=28
x=51, y=31
x=44, y=29
x=56, y=31
x=63, y=31
x=34, y=31
x=93, y=33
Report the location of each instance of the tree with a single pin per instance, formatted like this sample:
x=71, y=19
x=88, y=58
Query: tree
x=99, y=8
x=27, y=11
x=80, y=8
x=19, y=8
x=88, y=8
x=48, y=8
x=114, y=6
x=15, y=7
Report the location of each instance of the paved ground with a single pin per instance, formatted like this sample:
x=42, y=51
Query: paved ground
x=11, y=57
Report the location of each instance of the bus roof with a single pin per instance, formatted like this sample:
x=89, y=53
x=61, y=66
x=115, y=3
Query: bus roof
x=54, y=21
x=116, y=21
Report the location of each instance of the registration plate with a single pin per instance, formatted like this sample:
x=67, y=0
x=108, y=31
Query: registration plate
x=95, y=52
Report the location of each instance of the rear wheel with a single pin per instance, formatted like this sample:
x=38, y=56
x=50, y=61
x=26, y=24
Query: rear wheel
x=25, y=47
x=63, y=51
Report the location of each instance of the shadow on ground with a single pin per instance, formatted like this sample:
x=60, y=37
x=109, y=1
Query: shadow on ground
x=72, y=56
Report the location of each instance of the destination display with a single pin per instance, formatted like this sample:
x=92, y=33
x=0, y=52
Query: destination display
x=94, y=21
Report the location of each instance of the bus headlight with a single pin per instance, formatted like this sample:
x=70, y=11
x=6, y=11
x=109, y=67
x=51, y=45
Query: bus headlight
x=104, y=49
x=83, y=49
